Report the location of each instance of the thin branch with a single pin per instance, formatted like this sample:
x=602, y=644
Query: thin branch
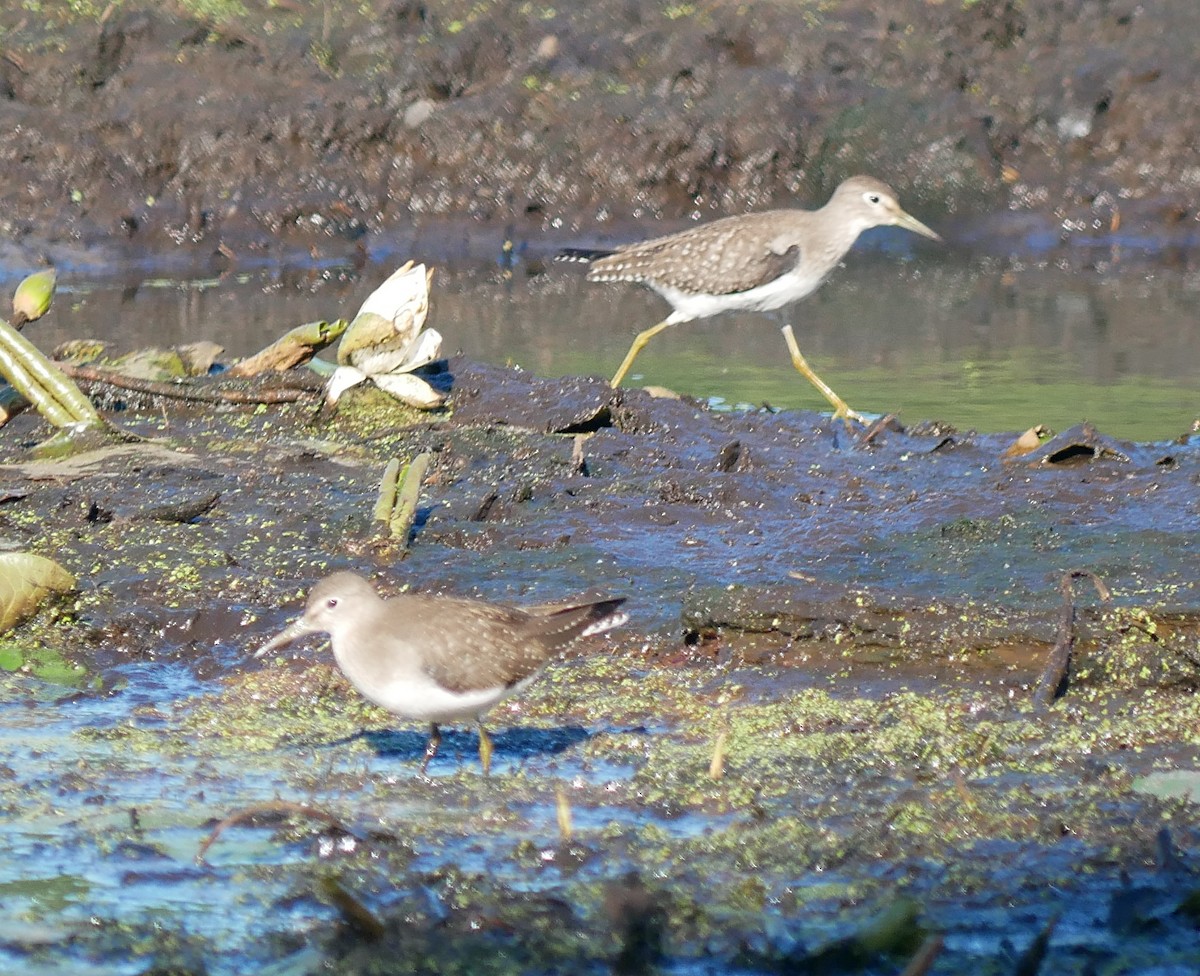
x=177, y=391
x=280, y=807
x=1057, y=673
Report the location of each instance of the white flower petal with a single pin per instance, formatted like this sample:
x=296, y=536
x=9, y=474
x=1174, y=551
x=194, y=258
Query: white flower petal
x=410, y=389
x=342, y=379
x=423, y=350
x=407, y=290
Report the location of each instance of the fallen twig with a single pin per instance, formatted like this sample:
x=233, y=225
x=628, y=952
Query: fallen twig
x=877, y=427
x=926, y=956
x=278, y=807
x=177, y=391
x=1056, y=676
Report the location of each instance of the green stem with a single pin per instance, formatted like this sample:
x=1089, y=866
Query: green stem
x=42, y=383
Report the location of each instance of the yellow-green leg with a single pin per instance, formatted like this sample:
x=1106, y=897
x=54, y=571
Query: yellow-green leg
x=638, y=344
x=840, y=407
x=485, y=749
x=435, y=740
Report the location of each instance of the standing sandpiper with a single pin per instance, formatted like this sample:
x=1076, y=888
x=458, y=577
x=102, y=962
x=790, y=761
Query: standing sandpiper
x=441, y=658
x=754, y=262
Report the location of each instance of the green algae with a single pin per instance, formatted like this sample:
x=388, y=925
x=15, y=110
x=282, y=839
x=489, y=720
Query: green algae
x=42, y=662
x=818, y=782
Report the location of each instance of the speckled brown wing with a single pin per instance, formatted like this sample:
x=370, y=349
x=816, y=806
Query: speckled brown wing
x=721, y=258
x=503, y=645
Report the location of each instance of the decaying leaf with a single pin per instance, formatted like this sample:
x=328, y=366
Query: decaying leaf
x=294, y=348
x=1170, y=784
x=26, y=579
x=198, y=358
x=162, y=365
x=79, y=351
x=1028, y=441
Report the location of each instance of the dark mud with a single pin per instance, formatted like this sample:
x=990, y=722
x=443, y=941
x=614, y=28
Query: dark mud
x=819, y=712
x=236, y=134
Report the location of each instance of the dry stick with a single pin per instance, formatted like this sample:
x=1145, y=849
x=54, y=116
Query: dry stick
x=876, y=428
x=579, y=463
x=919, y=964
x=157, y=388
x=1053, y=683
x=1032, y=958
x=716, y=766
x=354, y=912
x=562, y=807
x=258, y=809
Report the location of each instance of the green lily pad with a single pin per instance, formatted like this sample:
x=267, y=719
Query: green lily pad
x=1173, y=784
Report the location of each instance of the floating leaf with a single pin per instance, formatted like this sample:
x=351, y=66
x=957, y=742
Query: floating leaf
x=1175, y=784
x=26, y=580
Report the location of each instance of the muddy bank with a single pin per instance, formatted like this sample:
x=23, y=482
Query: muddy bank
x=818, y=715
x=750, y=533
x=298, y=130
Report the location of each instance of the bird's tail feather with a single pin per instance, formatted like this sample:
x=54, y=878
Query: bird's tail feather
x=562, y=623
x=583, y=255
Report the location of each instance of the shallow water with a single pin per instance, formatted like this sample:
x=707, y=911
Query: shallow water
x=931, y=334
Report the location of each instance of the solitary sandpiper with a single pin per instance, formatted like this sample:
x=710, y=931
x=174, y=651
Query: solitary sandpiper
x=440, y=658
x=753, y=262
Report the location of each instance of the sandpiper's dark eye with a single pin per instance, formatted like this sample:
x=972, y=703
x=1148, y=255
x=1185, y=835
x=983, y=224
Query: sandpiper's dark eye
x=872, y=197
x=331, y=602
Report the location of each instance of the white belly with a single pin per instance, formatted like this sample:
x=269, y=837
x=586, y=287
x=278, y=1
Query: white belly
x=775, y=294
x=418, y=697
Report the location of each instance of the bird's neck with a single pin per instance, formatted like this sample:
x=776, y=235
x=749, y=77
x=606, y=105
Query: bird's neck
x=836, y=229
